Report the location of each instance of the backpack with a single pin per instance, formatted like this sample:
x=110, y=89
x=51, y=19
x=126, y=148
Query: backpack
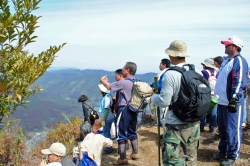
x=141, y=94
x=194, y=97
x=212, y=79
x=86, y=161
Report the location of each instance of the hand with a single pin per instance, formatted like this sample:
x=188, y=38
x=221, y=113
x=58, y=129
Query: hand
x=43, y=163
x=103, y=123
x=153, y=100
x=232, y=105
x=104, y=78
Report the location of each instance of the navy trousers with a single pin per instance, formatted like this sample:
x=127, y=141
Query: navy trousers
x=126, y=123
x=230, y=130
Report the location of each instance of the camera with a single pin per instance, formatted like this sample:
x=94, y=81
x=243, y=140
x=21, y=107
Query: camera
x=46, y=159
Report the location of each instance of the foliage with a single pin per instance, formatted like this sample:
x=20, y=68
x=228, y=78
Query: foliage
x=12, y=145
x=18, y=68
x=67, y=134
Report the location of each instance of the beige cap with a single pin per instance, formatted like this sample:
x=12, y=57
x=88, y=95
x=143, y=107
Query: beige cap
x=177, y=49
x=56, y=148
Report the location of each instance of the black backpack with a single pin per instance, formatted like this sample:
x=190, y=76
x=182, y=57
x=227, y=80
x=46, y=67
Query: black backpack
x=194, y=97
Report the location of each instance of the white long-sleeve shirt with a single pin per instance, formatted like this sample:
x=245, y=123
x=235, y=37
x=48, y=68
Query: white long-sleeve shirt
x=93, y=144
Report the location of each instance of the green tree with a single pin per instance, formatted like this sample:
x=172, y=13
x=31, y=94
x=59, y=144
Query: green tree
x=19, y=69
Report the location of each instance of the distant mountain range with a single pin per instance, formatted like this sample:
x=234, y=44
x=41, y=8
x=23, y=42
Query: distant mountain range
x=58, y=100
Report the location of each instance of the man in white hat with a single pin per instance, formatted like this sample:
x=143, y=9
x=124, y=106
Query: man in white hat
x=180, y=138
x=56, y=155
x=230, y=87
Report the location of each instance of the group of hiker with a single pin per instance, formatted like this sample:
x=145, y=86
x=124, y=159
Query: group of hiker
x=183, y=106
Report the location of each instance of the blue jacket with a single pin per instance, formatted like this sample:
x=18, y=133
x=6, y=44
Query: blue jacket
x=232, y=79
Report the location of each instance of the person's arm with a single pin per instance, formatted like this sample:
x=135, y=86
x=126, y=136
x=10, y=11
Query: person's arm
x=164, y=98
x=107, y=142
x=104, y=81
x=237, y=77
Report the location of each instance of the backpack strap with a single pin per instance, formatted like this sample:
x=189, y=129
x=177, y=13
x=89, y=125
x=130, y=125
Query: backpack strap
x=85, y=104
x=210, y=73
x=132, y=80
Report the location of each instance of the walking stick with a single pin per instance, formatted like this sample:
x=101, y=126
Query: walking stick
x=158, y=120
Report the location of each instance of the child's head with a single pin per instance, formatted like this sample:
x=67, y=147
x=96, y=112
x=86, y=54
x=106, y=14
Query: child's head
x=118, y=75
x=82, y=98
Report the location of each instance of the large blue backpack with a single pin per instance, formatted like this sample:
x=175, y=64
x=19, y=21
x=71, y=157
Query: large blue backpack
x=86, y=161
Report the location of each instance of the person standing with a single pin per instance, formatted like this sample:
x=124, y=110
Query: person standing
x=164, y=65
x=108, y=117
x=118, y=77
x=87, y=107
x=230, y=87
x=181, y=138
x=209, y=71
x=126, y=120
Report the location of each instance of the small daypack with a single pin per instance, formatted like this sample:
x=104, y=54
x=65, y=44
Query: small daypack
x=141, y=94
x=212, y=79
x=194, y=97
x=86, y=161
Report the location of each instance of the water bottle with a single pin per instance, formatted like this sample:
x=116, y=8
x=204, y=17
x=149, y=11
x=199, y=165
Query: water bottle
x=214, y=101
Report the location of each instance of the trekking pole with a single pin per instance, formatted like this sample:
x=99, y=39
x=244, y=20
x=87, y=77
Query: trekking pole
x=158, y=120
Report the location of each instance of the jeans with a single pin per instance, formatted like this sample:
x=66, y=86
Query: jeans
x=213, y=120
x=106, y=132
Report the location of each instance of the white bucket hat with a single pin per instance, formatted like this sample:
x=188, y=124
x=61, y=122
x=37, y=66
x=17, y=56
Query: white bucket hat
x=56, y=148
x=177, y=49
x=103, y=88
x=209, y=63
x=233, y=40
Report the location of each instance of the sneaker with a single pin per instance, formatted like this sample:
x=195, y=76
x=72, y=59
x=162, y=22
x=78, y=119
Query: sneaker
x=121, y=162
x=227, y=162
x=220, y=156
x=244, y=124
x=134, y=156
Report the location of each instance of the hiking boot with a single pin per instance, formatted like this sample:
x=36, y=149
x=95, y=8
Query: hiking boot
x=220, y=156
x=227, y=162
x=121, y=162
x=134, y=156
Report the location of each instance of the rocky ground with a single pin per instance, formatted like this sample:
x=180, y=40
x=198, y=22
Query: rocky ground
x=208, y=148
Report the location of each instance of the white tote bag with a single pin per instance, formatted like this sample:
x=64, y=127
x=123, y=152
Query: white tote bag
x=112, y=130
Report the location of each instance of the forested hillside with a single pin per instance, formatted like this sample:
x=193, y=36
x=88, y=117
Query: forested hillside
x=61, y=89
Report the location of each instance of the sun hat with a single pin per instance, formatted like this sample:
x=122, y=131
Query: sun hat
x=56, y=148
x=233, y=40
x=209, y=63
x=103, y=88
x=177, y=48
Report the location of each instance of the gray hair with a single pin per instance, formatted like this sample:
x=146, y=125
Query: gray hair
x=85, y=128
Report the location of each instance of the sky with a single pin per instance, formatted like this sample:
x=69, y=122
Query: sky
x=105, y=34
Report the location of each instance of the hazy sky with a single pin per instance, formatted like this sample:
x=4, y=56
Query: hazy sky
x=102, y=34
